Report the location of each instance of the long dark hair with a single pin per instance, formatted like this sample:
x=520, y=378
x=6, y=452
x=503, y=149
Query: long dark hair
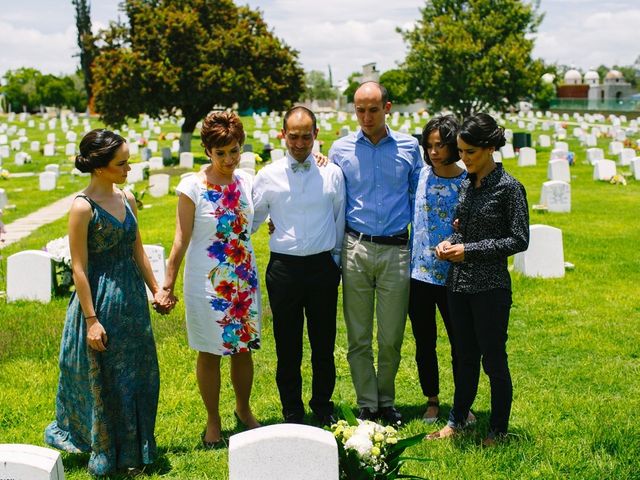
x=447, y=126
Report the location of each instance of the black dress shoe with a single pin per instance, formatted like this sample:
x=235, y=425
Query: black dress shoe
x=367, y=414
x=325, y=420
x=293, y=417
x=390, y=415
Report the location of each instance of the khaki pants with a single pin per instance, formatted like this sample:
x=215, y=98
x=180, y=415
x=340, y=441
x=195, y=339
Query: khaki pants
x=374, y=274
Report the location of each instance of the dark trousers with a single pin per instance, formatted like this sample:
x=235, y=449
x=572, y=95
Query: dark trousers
x=423, y=299
x=480, y=323
x=300, y=286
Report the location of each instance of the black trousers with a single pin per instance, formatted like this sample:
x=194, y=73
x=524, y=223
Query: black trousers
x=480, y=323
x=423, y=299
x=299, y=287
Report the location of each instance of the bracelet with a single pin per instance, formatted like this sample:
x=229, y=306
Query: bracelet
x=167, y=289
x=90, y=316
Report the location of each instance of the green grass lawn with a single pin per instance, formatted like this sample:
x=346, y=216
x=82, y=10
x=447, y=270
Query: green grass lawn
x=574, y=353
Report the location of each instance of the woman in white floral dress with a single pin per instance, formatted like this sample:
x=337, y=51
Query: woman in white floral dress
x=222, y=298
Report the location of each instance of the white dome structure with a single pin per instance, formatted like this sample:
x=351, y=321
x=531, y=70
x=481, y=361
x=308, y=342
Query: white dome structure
x=572, y=77
x=548, y=77
x=591, y=77
x=613, y=76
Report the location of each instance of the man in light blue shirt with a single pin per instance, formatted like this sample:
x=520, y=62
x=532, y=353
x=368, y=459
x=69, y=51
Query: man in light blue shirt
x=381, y=169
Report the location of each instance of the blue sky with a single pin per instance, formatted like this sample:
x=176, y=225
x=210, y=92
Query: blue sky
x=342, y=33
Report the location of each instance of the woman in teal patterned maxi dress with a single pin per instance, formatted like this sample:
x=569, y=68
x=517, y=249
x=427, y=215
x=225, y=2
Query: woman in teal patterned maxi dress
x=109, y=380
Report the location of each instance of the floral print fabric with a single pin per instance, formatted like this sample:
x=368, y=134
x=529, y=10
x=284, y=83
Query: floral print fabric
x=434, y=213
x=221, y=280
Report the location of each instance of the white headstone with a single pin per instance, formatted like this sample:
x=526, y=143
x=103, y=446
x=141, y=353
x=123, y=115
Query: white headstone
x=134, y=148
x=35, y=146
x=15, y=144
x=20, y=158
x=4, y=151
x=559, y=170
x=29, y=276
x=267, y=453
x=49, y=150
x=159, y=185
x=4, y=200
x=156, y=163
x=590, y=140
x=72, y=136
x=635, y=168
x=594, y=154
x=615, y=147
x=545, y=256
x=497, y=157
x=556, y=195
x=53, y=167
x=559, y=154
x=247, y=161
x=526, y=157
x=544, y=141
x=51, y=138
x=136, y=174
x=625, y=156
x=507, y=151
x=29, y=462
x=186, y=160
x=48, y=181
x=153, y=145
x=70, y=149
x=561, y=146
x=604, y=170
x=158, y=264
x=277, y=154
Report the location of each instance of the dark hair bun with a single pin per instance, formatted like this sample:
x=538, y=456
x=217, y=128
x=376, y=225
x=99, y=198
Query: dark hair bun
x=83, y=164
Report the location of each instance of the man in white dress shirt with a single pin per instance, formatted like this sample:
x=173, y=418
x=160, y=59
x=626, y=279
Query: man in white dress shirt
x=307, y=207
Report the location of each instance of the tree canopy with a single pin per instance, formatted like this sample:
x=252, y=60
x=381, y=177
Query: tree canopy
x=85, y=41
x=472, y=55
x=28, y=88
x=192, y=55
x=317, y=87
x=397, y=83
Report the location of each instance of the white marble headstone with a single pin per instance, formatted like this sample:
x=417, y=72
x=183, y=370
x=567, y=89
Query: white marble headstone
x=70, y=149
x=155, y=253
x=615, y=147
x=35, y=146
x=186, y=160
x=283, y=452
x=561, y=146
x=544, y=141
x=559, y=170
x=29, y=462
x=4, y=200
x=594, y=154
x=29, y=276
x=156, y=163
x=159, y=185
x=507, y=151
x=556, y=195
x=635, y=168
x=545, y=255
x=48, y=181
x=604, y=170
x=53, y=167
x=625, y=156
x=277, y=154
x=526, y=157
x=136, y=174
x=49, y=150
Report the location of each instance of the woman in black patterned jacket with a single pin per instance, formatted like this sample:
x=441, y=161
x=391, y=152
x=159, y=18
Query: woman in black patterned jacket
x=492, y=223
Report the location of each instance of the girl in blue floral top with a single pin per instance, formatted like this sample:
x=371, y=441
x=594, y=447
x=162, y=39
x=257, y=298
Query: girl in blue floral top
x=435, y=204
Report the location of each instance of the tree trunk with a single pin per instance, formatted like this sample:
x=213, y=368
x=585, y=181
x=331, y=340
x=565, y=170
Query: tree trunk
x=186, y=132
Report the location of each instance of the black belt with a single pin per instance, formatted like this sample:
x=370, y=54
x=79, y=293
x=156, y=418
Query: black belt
x=400, y=239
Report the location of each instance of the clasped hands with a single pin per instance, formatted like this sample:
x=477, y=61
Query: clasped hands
x=164, y=301
x=448, y=251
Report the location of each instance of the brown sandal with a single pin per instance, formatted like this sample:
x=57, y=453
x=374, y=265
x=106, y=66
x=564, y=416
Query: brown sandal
x=431, y=420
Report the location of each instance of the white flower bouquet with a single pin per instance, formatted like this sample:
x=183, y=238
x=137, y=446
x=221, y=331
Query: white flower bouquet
x=370, y=451
x=61, y=254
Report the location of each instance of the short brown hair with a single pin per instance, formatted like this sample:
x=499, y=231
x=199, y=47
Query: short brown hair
x=219, y=129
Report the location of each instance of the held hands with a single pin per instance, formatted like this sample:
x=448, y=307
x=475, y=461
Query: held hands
x=164, y=301
x=96, y=335
x=453, y=253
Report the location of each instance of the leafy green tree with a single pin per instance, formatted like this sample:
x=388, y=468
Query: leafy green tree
x=628, y=73
x=318, y=87
x=473, y=55
x=28, y=88
x=398, y=85
x=188, y=56
x=354, y=83
x=86, y=41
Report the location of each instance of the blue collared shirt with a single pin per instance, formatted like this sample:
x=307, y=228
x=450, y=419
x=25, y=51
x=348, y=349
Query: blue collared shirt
x=381, y=180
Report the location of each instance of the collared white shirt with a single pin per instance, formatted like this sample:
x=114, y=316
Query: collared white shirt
x=307, y=207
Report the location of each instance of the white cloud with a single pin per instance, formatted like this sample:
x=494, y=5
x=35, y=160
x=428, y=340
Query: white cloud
x=28, y=47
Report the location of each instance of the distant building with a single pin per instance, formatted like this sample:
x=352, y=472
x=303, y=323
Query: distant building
x=614, y=87
x=369, y=74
